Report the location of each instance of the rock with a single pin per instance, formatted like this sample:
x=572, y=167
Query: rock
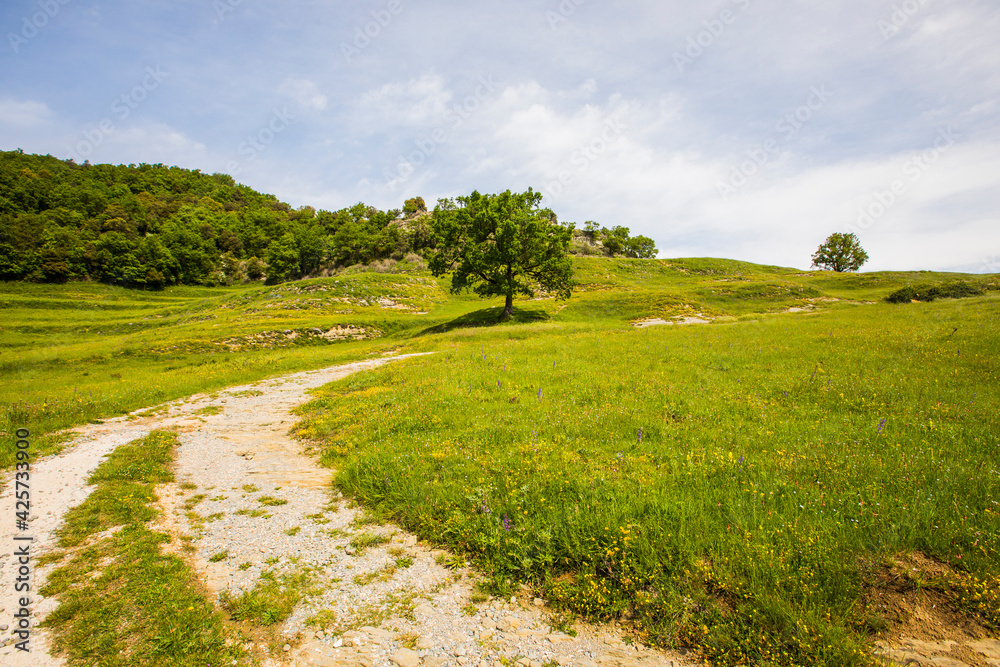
x=509, y=623
x=404, y=657
x=988, y=647
x=435, y=661
x=459, y=652
x=539, y=602
x=377, y=633
x=426, y=643
x=286, y=648
x=947, y=662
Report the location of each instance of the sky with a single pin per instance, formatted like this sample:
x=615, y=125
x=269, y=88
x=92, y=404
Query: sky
x=745, y=129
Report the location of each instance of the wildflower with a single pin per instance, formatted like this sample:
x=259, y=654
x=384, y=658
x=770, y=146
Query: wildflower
x=506, y=523
x=881, y=425
x=640, y=436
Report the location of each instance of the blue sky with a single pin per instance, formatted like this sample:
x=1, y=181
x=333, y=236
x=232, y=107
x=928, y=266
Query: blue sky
x=748, y=129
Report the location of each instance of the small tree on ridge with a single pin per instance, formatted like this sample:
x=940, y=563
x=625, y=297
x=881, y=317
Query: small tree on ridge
x=840, y=252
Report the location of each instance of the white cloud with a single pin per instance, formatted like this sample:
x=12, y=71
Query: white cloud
x=24, y=113
x=305, y=93
x=417, y=101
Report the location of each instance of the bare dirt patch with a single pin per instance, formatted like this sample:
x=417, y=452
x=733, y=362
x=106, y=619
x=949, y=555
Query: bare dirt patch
x=921, y=625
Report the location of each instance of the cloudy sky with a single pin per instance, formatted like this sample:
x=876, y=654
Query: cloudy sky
x=748, y=129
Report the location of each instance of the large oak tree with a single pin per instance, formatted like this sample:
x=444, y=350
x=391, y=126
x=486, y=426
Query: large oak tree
x=502, y=245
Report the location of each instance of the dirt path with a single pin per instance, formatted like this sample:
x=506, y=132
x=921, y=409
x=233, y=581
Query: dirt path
x=248, y=502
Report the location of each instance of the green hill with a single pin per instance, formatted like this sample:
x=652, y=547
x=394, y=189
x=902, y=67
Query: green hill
x=744, y=477
x=150, y=226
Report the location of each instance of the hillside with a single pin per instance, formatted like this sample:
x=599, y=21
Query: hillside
x=83, y=351
x=752, y=486
x=151, y=226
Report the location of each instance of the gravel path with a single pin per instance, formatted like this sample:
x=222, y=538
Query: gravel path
x=258, y=504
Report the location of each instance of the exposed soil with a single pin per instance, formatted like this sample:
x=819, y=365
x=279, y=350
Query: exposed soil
x=922, y=628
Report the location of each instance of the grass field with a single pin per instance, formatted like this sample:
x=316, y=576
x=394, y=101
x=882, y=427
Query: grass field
x=741, y=486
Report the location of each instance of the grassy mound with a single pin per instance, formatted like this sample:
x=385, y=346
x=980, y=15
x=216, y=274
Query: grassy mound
x=727, y=487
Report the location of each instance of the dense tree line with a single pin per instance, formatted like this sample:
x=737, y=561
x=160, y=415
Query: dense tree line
x=150, y=225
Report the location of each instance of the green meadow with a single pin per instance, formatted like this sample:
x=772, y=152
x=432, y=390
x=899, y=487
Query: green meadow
x=740, y=487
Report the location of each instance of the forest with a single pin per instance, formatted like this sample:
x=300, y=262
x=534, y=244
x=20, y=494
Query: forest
x=150, y=225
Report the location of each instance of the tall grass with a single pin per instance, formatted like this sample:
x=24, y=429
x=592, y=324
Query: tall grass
x=730, y=487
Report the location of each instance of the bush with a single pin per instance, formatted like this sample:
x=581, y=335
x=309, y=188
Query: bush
x=927, y=292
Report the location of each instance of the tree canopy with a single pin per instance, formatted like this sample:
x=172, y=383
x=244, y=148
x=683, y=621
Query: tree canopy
x=502, y=245
x=840, y=252
x=149, y=225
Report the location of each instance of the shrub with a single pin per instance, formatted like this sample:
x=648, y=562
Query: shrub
x=927, y=292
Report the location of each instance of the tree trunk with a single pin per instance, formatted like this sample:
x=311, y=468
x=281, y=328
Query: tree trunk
x=508, y=309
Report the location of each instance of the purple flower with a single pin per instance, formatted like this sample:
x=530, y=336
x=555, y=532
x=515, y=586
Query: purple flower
x=506, y=523
x=640, y=436
x=881, y=425
x=539, y=394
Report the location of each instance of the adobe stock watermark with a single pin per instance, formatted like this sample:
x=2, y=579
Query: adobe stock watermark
x=32, y=25
x=787, y=127
x=122, y=108
x=258, y=142
x=991, y=265
x=427, y=145
x=912, y=171
x=900, y=16
x=224, y=7
x=583, y=157
x=566, y=9
x=714, y=29
x=364, y=34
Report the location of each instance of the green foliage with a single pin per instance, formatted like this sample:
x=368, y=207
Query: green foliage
x=929, y=292
x=151, y=226
x=613, y=242
x=502, y=245
x=840, y=252
x=270, y=602
x=414, y=205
